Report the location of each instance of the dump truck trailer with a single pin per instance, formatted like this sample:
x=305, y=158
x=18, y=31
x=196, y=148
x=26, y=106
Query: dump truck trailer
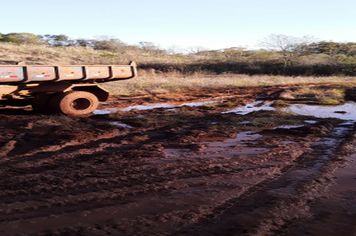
x=70, y=89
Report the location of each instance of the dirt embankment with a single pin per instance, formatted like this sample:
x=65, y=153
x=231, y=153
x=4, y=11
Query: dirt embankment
x=182, y=171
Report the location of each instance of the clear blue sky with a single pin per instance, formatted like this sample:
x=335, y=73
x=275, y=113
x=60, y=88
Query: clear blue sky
x=213, y=24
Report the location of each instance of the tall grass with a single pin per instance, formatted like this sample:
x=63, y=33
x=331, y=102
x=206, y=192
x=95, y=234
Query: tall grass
x=159, y=73
x=43, y=54
x=149, y=82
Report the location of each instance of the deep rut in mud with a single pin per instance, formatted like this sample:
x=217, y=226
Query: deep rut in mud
x=182, y=171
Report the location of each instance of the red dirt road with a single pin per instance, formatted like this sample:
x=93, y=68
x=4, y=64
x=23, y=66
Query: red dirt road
x=182, y=171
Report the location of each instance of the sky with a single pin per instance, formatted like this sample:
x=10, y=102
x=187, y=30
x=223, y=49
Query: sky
x=181, y=24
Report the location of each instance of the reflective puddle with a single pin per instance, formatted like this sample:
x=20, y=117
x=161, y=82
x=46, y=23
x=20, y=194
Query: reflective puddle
x=151, y=106
x=256, y=106
x=138, y=107
x=345, y=111
x=242, y=144
x=115, y=123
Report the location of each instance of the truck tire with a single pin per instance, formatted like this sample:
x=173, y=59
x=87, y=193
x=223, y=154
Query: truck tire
x=75, y=103
x=41, y=103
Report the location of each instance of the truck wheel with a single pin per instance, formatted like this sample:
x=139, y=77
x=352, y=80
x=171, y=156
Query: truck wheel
x=75, y=103
x=40, y=103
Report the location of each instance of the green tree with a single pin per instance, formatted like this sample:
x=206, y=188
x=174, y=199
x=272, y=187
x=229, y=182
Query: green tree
x=234, y=53
x=59, y=40
x=84, y=43
x=337, y=52
x=20, y=38
x=352, y=50
x=107, y=43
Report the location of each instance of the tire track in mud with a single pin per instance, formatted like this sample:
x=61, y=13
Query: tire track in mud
x=28, y=208
x=8, y=147
x=126, y=184
x=106, y=184
x=274, y=204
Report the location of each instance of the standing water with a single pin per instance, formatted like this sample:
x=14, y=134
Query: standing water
x=346, y=111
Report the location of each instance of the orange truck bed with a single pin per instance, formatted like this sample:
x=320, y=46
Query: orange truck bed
x=17, y=74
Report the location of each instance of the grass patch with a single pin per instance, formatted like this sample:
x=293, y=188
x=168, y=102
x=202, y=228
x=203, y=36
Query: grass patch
x=280, y=103
x=312, y=95
x=107, y=54
x=273, y=119
x=153, y=82
x=173, y=73
x=233, y=103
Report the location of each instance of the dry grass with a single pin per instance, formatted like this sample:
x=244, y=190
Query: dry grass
x=149, y=81
x=42, y=54
x=325, y=96
x=153, y=83
x=46, y=55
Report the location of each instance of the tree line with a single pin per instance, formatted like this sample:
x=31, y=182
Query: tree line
x=61, y=40
x=280, y=54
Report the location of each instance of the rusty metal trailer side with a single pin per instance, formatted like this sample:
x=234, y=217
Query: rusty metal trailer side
x=69, y=89
x=18, y=74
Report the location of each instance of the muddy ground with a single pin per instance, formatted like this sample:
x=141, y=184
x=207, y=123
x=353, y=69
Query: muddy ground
x=182, y=170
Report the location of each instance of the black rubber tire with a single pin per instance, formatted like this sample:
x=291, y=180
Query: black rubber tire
x=41, y=103
x=75, y=103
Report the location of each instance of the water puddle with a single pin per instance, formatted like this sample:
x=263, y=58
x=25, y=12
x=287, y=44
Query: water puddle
x=218, y=147
x=115, y=123
x=152, y=106
x=311, y=121
x=344, y=112
x=256, y=106
x=288, y=127
x=137, y=107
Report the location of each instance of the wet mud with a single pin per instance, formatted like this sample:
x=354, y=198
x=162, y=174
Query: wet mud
x=200, y=166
